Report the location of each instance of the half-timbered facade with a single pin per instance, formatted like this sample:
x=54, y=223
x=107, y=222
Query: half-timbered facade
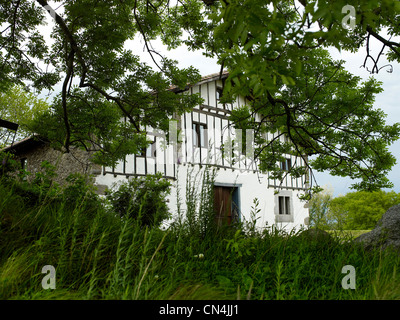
x=203, y=137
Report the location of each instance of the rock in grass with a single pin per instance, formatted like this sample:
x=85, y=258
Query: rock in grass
x=315, y=235
x=386, y=232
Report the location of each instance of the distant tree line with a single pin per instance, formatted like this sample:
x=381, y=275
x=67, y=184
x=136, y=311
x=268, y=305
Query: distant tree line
x=359, y=210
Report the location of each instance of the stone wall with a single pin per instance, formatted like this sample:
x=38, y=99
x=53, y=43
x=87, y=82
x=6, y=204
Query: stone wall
x=77, y=161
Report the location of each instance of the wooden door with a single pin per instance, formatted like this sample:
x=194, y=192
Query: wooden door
x=223, y=204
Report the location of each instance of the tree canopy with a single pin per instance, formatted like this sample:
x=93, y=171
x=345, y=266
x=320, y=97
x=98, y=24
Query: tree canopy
x=275, y=52
x=18, y=105
x=359, y=210
x=363, y=209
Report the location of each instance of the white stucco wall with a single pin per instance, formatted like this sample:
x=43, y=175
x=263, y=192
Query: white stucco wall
x=251, y=185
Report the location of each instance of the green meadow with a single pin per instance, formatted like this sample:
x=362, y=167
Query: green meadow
x=98, y=254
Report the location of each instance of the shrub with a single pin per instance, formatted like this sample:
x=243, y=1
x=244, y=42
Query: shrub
x=39, y=188
x=8, y=164
x=142, y=198
x=79, y=191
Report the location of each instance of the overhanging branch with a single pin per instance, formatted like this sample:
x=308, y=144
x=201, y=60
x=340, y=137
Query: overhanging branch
x=77, y=52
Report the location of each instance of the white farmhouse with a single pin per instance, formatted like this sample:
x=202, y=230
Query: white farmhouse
x=201, y=137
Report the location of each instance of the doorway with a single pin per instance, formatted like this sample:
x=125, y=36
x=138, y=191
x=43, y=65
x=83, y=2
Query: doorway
x=226, y=205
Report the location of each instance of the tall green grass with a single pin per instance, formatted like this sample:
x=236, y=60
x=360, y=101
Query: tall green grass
x=98, y=255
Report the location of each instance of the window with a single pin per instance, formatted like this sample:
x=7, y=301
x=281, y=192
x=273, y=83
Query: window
x=284, y=205
x=284, y=210
x=199, y=135
x=286, y=165
x=150, y=151
x=286, y=138
x=219, y=93
x=24, y=167
x=24, y=163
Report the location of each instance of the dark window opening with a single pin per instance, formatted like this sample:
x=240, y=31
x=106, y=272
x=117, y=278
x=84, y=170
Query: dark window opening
x=150, y=151
x=24, y=163
x=219, y=93
x=199, y=135
x=286, y=165
x=284, y=205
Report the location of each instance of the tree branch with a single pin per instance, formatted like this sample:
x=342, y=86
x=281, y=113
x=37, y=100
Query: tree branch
x=78, y=53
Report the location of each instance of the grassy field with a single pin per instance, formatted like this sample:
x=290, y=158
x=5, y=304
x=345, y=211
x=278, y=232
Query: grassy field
x=98, y=255
x=347, y=234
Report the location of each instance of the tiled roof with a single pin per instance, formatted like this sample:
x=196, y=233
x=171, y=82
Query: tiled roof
x=26, y=142
x=217, y=75
x=207, y=78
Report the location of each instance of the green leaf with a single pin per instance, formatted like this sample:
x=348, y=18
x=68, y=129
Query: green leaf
x=320, y=13
x=236, y=81
x=298, y=67
x=243, y=36
x=285, y=80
